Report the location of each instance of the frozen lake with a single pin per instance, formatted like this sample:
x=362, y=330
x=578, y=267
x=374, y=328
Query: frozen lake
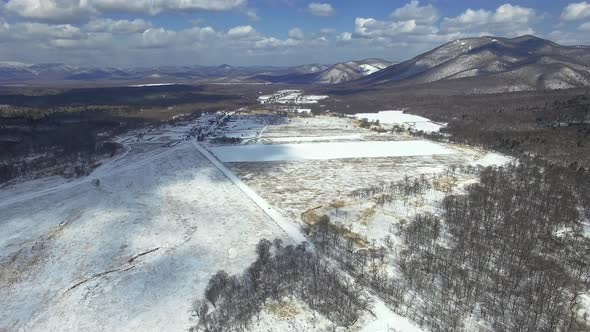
x=333, y=150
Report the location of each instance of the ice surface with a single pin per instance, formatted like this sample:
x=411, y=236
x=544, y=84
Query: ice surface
x=332, y=150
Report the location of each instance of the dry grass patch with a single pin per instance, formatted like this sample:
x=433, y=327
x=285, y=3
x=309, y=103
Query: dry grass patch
x=445, y=184
x=367, y=216
x=286, y=309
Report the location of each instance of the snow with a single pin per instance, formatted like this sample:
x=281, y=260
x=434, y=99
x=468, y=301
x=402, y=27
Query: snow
x=401, y=118
x=316, y=138
x=300, y=318
x=134, y=252
x=67, y=253
x=292, y=230
x=386, y=320
x=331, y=150
x=368, y=69
x=151, y=84
x=583, y=308
x=291, y=97
x=492, y=159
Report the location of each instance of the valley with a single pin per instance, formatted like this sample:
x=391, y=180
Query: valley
x=448, y=191
x=168, y=207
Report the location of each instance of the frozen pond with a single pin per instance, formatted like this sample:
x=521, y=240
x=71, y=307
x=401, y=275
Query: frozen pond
x=332, y=150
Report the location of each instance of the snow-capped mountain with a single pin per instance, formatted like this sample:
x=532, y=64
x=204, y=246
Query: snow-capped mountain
x=309, y=68
x=522, y=63
x=321, y=74
x=350, y=71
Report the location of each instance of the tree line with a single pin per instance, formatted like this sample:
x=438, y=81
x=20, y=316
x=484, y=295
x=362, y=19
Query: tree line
x=232, y=301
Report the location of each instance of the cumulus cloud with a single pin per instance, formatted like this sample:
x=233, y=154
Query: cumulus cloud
x=154, y=7
x=370, y=27
x=345, y=36
x=91, y=41
x=51, y=10
x=570, y=37
x=273, y=43
x=79, y=10
x=40, y=31
x=413, y=11
x=241, y=31
x=321, y=9
x=507, y=19
x=584, y=26
x=117, y=26
x=576, y=11
x=157, y=38
x=296, y=34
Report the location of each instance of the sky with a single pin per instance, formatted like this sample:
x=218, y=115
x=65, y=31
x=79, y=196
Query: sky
x=139, y=33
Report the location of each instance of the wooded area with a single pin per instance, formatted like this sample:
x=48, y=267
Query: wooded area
x=511, y=253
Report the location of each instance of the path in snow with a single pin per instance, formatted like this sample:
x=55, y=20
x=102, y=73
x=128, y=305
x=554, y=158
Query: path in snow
x=292, y=231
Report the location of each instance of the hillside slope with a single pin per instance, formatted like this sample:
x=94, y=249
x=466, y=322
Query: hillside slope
x=338, y=73
x=523, y=63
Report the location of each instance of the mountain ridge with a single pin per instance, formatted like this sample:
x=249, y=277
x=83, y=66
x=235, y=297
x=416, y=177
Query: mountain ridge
x=524, y=63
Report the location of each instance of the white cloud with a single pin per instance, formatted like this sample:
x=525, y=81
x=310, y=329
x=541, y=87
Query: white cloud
x=198, y=33
x=273, y=43
x=372, y=28
x=470, y=16
x=505, y=20
x=117, y=26
x=252, y=14
x=64, y=11
x=413, y=11
x=41, y=31
x=154, y=7
x=91, y=41
x=345, y=36
x=569, y=38
x=576, y=11
x=508, y=13
x=157, y=38
x=296, y=34
x=241, y=31
x=51, y=10
x=321, y=9
x=584, y=26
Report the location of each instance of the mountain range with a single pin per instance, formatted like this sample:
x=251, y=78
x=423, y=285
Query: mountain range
x=483, y=64
x=494, y=64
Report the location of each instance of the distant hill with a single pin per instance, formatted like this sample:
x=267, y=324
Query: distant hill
x=320, y=74
x=14, y=72
x=494, y=64
x=350, y=71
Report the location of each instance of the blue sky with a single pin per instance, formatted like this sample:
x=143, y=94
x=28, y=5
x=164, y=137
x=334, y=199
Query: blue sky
x=127, y=33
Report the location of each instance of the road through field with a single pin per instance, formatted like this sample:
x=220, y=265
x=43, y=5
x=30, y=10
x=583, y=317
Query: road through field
x=288, y=227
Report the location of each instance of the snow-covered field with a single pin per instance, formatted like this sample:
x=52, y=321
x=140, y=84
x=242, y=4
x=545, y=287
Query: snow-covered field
x=328, y=150
x=134, y=251
x=400, y=118
x=290, y=97
x=335, y=157
x=130, y=254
